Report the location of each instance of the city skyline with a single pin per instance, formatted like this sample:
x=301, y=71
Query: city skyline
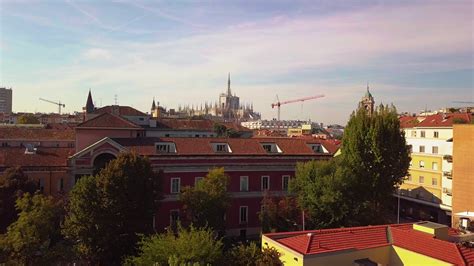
x=414, y=54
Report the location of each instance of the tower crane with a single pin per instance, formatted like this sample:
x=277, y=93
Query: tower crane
x=59, y=104
x=278, y=103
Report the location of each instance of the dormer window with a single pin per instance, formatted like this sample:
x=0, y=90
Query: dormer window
x=271, y=148
x=318, y=148
x=221, y=147
x=165, y=147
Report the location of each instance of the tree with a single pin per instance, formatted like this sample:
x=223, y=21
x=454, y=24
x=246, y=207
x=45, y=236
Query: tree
x=207, y=202
x=375, y=159
x=220, y=130
x=193, y=246
x=357, y=187
x=13, y=183
x=318, y=191
x=252, y=255
x=278, y=214
x=28, y=119
x=106, y=212
x=30, y=238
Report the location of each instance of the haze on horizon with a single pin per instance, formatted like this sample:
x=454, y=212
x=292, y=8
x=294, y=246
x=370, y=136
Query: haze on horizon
x=414, y=54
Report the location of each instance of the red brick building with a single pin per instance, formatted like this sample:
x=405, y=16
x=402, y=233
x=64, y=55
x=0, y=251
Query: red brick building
x=253, y=165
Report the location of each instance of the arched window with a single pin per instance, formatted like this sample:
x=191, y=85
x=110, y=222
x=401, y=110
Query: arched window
x=102, y=160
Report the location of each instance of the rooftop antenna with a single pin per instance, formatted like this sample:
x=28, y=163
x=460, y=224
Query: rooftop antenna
x=116, y=99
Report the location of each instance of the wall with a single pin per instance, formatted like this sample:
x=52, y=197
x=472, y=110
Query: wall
x=401, y=256
x=288, y=256
x=463, y=169
x=86, y=137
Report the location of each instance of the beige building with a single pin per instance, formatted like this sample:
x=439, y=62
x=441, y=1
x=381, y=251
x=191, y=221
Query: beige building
x=5, y=100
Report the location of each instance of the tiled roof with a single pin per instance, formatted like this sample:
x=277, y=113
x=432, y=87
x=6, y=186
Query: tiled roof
x=108, y=120
x=401, y=235
x=119, y=110
x=239, y=146
x=426, y=244
x=43, y=157
x=37, y=134
x=408, y=121
x=195, y=124
x=444, y=120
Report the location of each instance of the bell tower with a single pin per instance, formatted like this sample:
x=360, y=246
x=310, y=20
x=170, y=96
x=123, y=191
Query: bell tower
x=367, y=102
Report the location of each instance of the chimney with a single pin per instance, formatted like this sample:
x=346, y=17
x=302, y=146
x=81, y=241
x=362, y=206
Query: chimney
x=439, y=231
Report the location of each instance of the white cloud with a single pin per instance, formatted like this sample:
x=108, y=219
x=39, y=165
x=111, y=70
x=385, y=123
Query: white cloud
x=193, y=69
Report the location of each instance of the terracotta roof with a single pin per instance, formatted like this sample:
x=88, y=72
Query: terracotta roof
x=108, y=120
x=408, y=121
x=239, y=146
x=401, y=235
x=119, y=110
x=195, y=124
x=444, y=120
x=426, y=244
x=44, y=157
x=22, y=133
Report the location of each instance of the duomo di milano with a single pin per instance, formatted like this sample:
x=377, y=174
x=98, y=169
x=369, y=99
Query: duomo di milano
x=228, y=108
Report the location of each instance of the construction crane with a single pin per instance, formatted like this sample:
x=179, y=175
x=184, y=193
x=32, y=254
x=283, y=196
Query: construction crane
x=278, y=103
x=59, y=104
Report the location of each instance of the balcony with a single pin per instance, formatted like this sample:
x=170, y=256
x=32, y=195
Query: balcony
x=447, y=191
x=448, y=158
x=448, y=174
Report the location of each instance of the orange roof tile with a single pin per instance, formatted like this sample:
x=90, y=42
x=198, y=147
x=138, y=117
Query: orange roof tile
x=239, y=146
x=408, y=121
x=44, y=157
x=444, y=120
x=108, y=120
x=122, y=110
x=195, y=124
x=401, y=235
x=37, y=134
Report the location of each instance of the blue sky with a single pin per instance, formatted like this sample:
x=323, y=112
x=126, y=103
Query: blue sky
x=414, y=54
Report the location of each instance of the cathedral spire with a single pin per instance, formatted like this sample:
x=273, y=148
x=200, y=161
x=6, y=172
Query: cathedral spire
x=153, y=105
x=89, y=104
x=228, y=86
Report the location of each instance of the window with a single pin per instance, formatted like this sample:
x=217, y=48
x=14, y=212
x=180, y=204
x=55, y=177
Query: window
x=197, y=180
x=41, y=184
x=422, y=164
x=317, y=148
x=243, y=214
x=413, y=133
x=60, y=184
x=422, y=179
x=175, y=185
x=165, y=147
x=422, y=133
x=410, y=148
x=265, y=182
x=434, y=181
x=221, y=147
x=409, y=178
x=174, y=218
x=284, y=182
x=434, y=150
x=271, y=148
x=434, y=166
x=244, y=183
x=436, y=134
x=422, y=148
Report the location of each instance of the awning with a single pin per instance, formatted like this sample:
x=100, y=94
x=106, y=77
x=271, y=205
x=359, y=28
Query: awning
x=465, y=214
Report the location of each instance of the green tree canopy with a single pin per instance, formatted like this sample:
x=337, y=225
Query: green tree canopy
x=318, y=190
x=279, y=214
x=207, y=202
x=31, y=238
x=357, y=187
x=252, y=255
x=193, y=246
x=374, y=161
x=106, y=212
x=28, y=119
x=13, y=183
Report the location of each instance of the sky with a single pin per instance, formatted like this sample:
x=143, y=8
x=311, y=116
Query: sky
x=414, y=54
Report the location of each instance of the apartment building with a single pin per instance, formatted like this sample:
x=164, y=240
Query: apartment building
x=427, y=191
